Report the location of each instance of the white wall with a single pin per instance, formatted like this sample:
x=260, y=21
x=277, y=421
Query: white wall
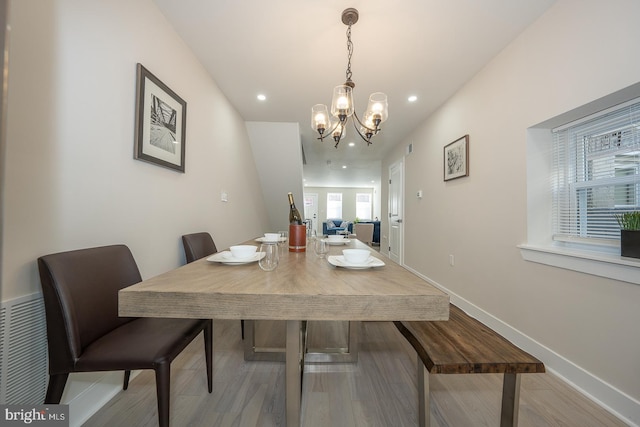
x=278, y=156
x=71, y=180
x=71, y=177
x=584, y=327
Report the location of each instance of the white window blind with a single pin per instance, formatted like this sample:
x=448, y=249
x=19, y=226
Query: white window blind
x=363, y=205
x=334, y=205
x=596, y=174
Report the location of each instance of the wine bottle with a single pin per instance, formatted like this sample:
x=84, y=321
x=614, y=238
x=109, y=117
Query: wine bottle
x=294, y=214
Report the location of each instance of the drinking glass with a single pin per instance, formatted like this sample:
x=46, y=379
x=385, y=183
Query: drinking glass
x=321, y=248
x=313, y=236
x=271, y=257
x=283, y=240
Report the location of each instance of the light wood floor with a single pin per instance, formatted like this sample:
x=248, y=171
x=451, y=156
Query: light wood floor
x=380, y=390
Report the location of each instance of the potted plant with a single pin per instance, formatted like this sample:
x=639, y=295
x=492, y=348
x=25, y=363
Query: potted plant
x=629, y=233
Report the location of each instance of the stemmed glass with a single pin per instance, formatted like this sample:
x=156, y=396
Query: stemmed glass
x=321, y=248
x=283, y=239
x=313, y=236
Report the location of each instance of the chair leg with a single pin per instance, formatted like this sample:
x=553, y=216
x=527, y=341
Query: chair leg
x=127, y=376
x=55, y=388
x=242, y=328
x=163, y=392
x=208, y=353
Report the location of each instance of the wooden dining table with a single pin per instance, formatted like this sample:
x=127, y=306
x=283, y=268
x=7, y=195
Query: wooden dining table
x=303, y=287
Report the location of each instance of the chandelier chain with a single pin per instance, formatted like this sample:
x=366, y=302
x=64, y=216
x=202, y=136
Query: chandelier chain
x=350, y=53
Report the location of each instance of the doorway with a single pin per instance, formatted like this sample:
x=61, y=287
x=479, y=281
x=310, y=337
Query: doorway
x=311, y=210
x=395, y=212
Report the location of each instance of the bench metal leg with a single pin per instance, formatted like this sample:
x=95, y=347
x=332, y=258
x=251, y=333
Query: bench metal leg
x=424, y=398
x=510, y=400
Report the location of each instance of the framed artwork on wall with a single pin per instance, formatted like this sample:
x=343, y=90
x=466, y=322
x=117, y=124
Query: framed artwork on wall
x=160, y=122
x=456, y=158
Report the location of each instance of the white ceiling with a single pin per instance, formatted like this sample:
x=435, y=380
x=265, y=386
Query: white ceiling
x=294, y=52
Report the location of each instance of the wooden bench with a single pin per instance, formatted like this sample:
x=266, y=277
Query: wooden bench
x=463, y=345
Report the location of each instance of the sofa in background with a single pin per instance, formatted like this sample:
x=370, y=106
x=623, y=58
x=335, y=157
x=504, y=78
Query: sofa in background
x=333, y=225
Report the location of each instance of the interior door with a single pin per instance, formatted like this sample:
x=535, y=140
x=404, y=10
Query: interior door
x=311, y=209
x=395, y=212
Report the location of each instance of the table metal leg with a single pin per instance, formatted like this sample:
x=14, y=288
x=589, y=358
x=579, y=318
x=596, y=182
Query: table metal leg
x=348, y=354
x=510, y=400
x=296, y=335
x=253, y=353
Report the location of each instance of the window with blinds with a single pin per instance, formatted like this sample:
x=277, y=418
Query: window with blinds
x=596, y=174
x=334, y=205
x=363, y=205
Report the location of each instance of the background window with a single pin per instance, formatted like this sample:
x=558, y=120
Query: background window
x=334, y=205
x=363, y=206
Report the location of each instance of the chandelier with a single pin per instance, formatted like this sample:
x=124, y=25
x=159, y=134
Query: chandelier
x=342, y=104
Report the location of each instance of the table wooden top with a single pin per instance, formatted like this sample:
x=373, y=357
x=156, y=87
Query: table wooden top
x=303, y=287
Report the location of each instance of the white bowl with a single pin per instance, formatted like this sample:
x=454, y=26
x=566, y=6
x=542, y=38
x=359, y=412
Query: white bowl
x=271, y=237
x=243, y=251
x=335, y=237
x=356, y=256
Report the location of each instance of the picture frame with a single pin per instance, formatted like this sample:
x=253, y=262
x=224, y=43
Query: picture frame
x=456, y=159
x=160, y=122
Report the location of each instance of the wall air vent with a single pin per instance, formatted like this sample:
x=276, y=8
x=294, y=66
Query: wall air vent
x=23, y=351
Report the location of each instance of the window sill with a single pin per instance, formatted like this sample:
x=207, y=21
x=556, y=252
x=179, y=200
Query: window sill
x=596, y=263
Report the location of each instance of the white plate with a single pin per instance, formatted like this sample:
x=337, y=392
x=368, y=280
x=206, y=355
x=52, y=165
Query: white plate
x=263, y=239
x=226, y=257
x=337, y=241
x=339, y=261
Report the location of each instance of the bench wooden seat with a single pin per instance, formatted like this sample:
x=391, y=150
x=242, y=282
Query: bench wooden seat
x=463, y=345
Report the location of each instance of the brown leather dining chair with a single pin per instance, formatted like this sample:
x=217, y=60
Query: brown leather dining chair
x=200, y=245
x=85, y=333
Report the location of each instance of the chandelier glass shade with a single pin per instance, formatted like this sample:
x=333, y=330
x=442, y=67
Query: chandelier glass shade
x=342, y=106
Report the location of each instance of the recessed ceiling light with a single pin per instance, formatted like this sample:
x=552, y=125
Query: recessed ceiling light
x=351, y=144
x=412, y=98
x=261, y=97
x=344, y=166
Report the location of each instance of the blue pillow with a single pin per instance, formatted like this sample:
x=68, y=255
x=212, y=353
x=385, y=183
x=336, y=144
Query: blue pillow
x=330, y=224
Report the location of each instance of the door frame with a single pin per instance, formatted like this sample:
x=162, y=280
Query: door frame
x=398, y=167
x=4, y=69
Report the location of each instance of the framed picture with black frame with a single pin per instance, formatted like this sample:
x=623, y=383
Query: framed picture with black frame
x=160, y=122
x=456, y=158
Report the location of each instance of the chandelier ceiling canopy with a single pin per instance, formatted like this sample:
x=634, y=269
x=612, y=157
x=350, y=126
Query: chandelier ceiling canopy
x=342, y=106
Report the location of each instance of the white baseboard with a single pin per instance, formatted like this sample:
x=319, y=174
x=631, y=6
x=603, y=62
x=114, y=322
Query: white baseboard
x=605, y=395
x=85, y=404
